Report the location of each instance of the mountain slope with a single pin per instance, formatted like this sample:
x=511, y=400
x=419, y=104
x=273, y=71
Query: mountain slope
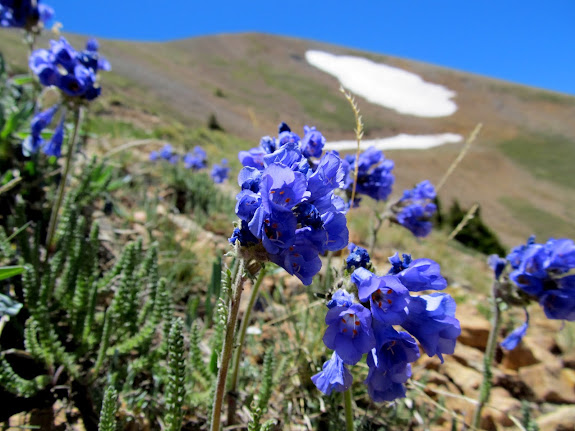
x=518, y=170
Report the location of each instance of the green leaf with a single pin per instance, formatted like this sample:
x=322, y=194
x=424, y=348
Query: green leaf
x=9, y=306
x=22, y=79
x=46, y=134
x=10, y=271
x=214, y=363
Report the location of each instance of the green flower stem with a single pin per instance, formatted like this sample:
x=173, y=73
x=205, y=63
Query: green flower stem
x=348, y=410
x=232, y=393
x=63, y=180
x=227, y=347
x=380, y=218
x=488, y=357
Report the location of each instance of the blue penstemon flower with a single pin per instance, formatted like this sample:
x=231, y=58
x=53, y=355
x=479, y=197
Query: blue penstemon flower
x=429, y=319
x=31, y=15
x=196, y=159
x=287, y=203
x=541, y=273
x=415, y=209
x=75, y=74
x=374, y=177
x=220, y=171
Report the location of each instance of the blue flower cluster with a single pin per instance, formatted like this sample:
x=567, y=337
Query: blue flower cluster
x=73, y=72
x=415, y=209
x=311, y=146
x=165, y=153
x=288, y=211
x=220, y=172
x=34, y=141
x=542, y=272
x=358, y=257
x=24, y=13
x=196, y=160
x=374, y=177
x=367, y=327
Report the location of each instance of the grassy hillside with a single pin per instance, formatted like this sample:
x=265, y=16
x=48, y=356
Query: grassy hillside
x=251, y=82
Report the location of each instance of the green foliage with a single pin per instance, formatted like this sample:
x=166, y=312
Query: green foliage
x=541, y=222
x=476, y=234
x=175, y=389
x=549, y=157
x=109, y=409
x=261, y=405
x=18, y=385
x=213, y=123
x=10, y=271
x=529, y=424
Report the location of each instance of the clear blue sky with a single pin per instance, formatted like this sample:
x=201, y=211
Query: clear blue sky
x=530, y=41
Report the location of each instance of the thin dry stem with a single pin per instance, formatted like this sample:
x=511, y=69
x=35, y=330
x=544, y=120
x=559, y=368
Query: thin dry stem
x=460, y=156
x=470, y=214
x=358, y=135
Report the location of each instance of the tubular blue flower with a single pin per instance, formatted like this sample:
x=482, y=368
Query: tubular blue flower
x=166, y=152
x=349, y=332
x=299, y=259
x=64, y=54
x=398, y=265
x=276, y=229
x=387, y=296
x=341, y=298
x=196, y=159
x=249, y=178
x=497, y=264
x=54, y=146
x=312, y=142
x=422, y=191
x=77, y=82
x=328, y=176
x=220, y=172
x=374, y=177
x=561, y=255
x=247, y=204
x=559, y=303
x=42, y=119
x=516, y=255
x=42, y=64
x=24, y=14
x=358, y=257
x=382, y=386
x=31, y=144
x=431, y=319
x=243, y=235
x=415, y=209
x=415, y=218
x=333, y=377
x=394, y=349
x=73, y=72
x=513, y=339
x=422, y=274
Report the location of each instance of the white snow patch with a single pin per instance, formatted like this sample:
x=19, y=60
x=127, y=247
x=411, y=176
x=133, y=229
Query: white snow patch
x=391, y=87
x=399, y=142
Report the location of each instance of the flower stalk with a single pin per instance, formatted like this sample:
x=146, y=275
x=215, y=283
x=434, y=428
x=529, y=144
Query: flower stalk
x=485, y=389
x=227, y=347
x=232, y=393
x=61, y=190
x=348, y=410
